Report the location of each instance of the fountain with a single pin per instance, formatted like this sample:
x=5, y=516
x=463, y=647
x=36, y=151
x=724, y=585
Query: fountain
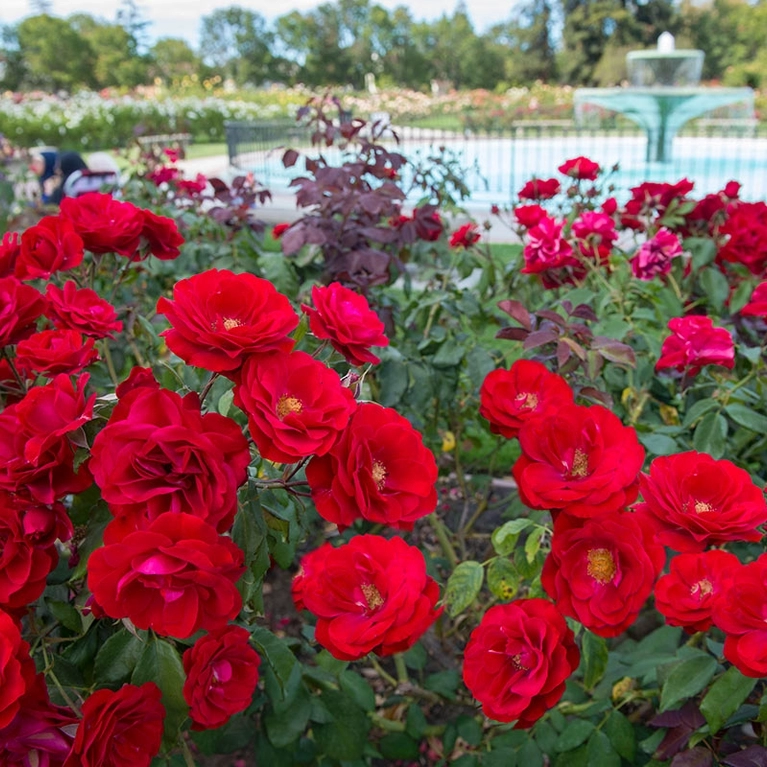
x=663, y=94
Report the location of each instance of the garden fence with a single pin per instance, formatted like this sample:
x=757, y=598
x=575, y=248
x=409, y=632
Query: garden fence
x=498, y=162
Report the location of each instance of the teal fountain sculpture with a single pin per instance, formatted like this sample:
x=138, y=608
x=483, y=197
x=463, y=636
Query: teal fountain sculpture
x=663, y=94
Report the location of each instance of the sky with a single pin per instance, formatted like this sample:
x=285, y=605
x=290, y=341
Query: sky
x=181, y=18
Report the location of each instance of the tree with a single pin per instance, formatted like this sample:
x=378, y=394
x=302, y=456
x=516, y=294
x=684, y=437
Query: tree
x=173, y=59
x=131, y=18
x=55, y=56
x=238, y=43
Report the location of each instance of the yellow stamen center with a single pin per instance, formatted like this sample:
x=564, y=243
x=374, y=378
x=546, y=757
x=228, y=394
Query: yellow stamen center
x=287, y=404
x=601, y=565
x=517, y=661
x=372, y=595
x=702, y=589
x=379, y=474
x=701, y=507
x=580, y=464
x=230, y=323
x=526, y=401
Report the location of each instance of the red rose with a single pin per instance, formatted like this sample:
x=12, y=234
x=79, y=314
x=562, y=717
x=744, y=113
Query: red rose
x=279, y=229
x=82, y=310
x=119, y=729
x=191, y=187
x=39, y=733
x=465, y=236
x=160, y=236
x=610, y=206
x=50, y=246
x=694, y=344
x=218, y=318
x=162, y=175
x=653, y=196
x=739, y=612
x=686, y=596
x=580, y=168
x=602, y=572
x=510, y=398
x=221, y=676
x=697, y=501
x=547, y=252
x=20, y=308
x=17, y=670
x=757, y=304
x=746, y=232
x=529, y=216
x=10, y=248
x=176, y=577
x=137, y=378
x=347, y=321
x=580, y=460
x=40, y=465
x=106, y=225
x=596, y=234
x=27, y=549
x=369, y=595
x=296, y=406
x=158, y=453
x=517, y=660
x=379, y=469
x=51, y=352
x=655, y=255
x=539, y=189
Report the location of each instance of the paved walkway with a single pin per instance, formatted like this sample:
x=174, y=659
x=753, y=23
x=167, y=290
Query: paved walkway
x=283, y=204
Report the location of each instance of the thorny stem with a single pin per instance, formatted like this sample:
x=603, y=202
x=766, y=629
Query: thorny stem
x=444, y=540
x=110, y=364
x=399, y=664
x=188, y=758
x=15, y=372
x=435, y=306
x=208, y=386
x=385, y=675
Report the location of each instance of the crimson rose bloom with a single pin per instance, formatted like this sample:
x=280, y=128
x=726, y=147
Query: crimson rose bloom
x=17, y=670
x=279, y=229
x=119, y=729
x=221, y=676
x=580, y=168
x=51, y=352
x=596, y=234
x=517, y=660
x=746, y=230
x=601, y=572
x=580, y=460
x=510, y=398
x=757, y=304
x=106, y=225
x=539, y=189
x=379, y=469
x=82, y=310
x=686, y=596
x=176, y=577
x=20, y=308
x=296, y=406
x=27, y=549
x=547, y=252
x=697, y=501
x=529, y=216
x=39, y=733
x=465, y=236
x=159, y=453
x=10, y=248
x=369, y=595
x=694, y=344
x=347, y=321
x=655, y=255
x=740, y=612
x=218, y=318
x=160, y=236
x=50, y=246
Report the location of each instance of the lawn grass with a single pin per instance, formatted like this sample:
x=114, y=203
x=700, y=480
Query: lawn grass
x=196, y=151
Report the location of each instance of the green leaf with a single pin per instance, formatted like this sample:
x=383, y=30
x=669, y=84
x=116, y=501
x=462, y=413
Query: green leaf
x=725, y=697
x=444, y=683
x=745, y=416
x=398, y=745
x=503, y=578
x=286, y=727
x=358, y=689
x=711, y=435
x=574, y=734
x=225, y=402
x=463, y=586
x=533, y=544
x=346, y=736
x=249, y=532
x=66, y=614
x=505, y=537
x=117, y=658
x=699, y=409
x=601, y=751
x=236, y=734
x=686, y=679
x=715, y=286
x=703, y=251
x=161, y=664
x=594, y=655
x=393, y=377
x=449, y=355
x=659, y=444
x=622, y=736
x=276, y=653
